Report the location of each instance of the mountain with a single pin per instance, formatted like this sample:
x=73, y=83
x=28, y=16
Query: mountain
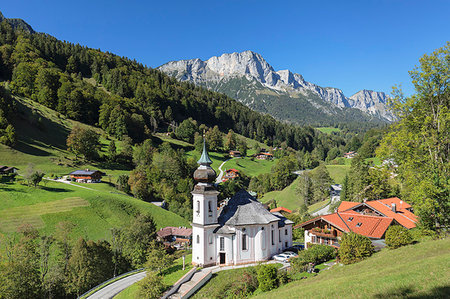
x=247, y=76
x=17, y=24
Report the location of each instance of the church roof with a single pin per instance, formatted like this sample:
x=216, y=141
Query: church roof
x=204, y=159
x=244, y=209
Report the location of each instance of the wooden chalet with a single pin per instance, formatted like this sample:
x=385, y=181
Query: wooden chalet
x=264, y=156
x=177, y=236
x=370, y=219
x=235, y=154
x=230, y=174
x=350, y=155
x=7, y=170
x=87, y=176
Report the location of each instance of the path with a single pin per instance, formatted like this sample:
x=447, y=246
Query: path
x=324, y=210
x=116, y=287
x=219, y=177
x=69, y=183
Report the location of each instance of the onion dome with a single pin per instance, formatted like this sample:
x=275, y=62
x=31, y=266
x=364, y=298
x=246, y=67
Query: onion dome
x=204, y=173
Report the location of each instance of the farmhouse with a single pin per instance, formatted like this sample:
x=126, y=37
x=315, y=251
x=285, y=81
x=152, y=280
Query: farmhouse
x=230, y=174
x=179, y=236
x=241, y=231
x=5, y=170
x=350, y=155
x=264, y=156
x=87, y=176
x=235, y=154
x=370, y=219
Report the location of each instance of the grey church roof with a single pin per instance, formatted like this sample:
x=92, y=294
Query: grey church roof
x=244, y=209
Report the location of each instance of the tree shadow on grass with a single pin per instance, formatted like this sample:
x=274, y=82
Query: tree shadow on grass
x=172, y=269
x=410, y=292
x=53, y=189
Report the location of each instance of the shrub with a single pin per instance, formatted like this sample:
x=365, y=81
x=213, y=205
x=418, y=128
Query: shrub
x=354, y=248
x=398, y=236
x=316, y=254
x=267, y=277
x=243, y=286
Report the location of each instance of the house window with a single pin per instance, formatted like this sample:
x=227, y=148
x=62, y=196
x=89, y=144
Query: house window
x=279, y=236
x=222, y=244
x=209, y=209
x=313, y=239
x=285, y=232
x=198, y=239
x=263, y=238
x=273, y=242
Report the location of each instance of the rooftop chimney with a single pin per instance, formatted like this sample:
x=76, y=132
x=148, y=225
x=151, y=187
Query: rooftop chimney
x=394, y=208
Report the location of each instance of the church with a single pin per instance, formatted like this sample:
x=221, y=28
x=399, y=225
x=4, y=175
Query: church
x=241, y=231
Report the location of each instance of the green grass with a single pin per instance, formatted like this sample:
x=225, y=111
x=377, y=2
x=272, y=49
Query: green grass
x=415, y=271
x=317, y=205
x=328, y=130
x=93, y=212
x=250, y=167
x=287, y=197
x=171, y=275
x=338, y=172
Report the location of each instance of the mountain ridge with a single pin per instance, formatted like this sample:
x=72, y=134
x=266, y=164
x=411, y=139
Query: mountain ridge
x=216, y=71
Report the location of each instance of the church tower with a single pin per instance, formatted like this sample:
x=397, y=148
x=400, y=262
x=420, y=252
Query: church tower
x=204, y=220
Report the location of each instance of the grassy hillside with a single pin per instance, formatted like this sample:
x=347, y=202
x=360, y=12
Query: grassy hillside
x=93, y=211
x=415, y=271
x=328, y=130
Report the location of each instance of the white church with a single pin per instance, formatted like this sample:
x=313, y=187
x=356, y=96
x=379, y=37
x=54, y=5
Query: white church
x=241, y=231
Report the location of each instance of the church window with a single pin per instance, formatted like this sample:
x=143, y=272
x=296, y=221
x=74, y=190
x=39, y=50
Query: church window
x=222, y=244
x=209, y=209
x=198, y=239
x=210, y=239
x=263, y=238
x=285, y=232
x=279, y=236
x=273, y=242
x=198, y=207
x=244, y=240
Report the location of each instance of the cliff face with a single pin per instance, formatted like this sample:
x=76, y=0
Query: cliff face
x=17, y=24
x=254, y=76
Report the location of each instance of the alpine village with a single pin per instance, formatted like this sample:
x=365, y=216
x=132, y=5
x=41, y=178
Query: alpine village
x=215, y=178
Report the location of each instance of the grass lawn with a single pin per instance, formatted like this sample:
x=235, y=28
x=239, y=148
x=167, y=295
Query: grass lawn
x=250, y=167
x=328, y=130
x=287, y=197
x=415, y=271
x=317, y=205
x=93, y=212
x=338, y=172
x=171, y=275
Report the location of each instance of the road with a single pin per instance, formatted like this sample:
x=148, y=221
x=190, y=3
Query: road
x=116, y=287
x=219, y=177
x=324, y=210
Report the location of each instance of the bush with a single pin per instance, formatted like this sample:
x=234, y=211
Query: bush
x=316, y=254
x=354, y=248
x=267, y=277
x=243, y=286
x=398, y=236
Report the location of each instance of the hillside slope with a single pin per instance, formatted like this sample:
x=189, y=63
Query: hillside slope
x=415, y=271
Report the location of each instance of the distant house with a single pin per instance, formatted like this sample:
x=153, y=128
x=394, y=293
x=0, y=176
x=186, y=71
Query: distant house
x=281, y=210
x=6, y=170
x=370, y=219
x=350, y=155
x=230, y=174
x=264, y=156
x=336, y=189
x=87, y=176
x=176, y=236
x=235, y=154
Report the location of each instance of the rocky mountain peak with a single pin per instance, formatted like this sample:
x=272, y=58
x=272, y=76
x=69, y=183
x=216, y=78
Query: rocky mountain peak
x=17, y=24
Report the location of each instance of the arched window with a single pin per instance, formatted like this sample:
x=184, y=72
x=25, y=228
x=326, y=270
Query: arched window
x=244, y=240
x=209, y=209
x=279, y=235
x=198, y=207
x=210, y=239
x=273, y=242
x=263, y=238
x=198, y=239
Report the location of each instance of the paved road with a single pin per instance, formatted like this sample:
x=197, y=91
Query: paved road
x=116, y=287
x=219, y=177
x=324, y=210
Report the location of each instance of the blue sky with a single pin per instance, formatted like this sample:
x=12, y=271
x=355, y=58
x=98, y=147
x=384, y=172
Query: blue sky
x=352, y=45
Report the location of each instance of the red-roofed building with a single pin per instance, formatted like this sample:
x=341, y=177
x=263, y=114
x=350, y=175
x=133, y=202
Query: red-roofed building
x=281, y=210
x=230, y=174
x=350, y=155
x=392, y=207
x=264, y=156
x=178, y=236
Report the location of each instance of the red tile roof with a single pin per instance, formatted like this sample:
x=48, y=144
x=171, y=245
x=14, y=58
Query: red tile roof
x=174, y=231
x=232, y=170
x=280, y=209
x=384, y=206
x=369, y=226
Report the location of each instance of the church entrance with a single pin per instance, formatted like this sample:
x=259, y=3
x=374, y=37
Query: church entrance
x=222, y=258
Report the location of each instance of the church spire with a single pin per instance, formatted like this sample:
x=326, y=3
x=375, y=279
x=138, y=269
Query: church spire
x=204, y=159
